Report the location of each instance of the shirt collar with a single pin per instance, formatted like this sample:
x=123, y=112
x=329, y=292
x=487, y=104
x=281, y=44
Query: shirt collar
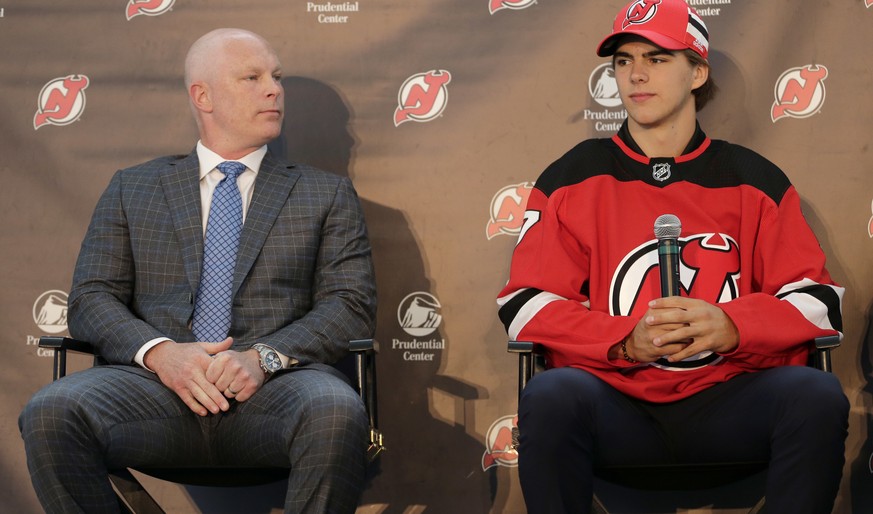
x=209, y=159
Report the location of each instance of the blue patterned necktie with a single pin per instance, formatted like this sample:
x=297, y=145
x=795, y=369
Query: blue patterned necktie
x=212, y=308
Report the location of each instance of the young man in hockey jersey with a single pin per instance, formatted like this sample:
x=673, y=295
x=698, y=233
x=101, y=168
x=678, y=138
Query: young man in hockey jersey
x=717, y=373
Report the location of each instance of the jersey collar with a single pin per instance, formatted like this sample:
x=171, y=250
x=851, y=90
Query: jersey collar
x=696, y=146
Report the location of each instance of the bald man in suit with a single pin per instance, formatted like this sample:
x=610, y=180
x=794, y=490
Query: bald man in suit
x=263, y=393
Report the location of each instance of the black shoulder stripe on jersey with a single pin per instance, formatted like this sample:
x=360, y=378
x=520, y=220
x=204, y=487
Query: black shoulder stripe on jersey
x=511, y=308
x=825, y=295
x=731, y=165
x=722, y=164
x=588, y=159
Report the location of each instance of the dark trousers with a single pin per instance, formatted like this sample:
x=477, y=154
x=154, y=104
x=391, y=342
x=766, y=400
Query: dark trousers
x=571, y=422
x=121, y=416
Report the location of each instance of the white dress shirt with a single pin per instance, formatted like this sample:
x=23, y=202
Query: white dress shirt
x=210, y=176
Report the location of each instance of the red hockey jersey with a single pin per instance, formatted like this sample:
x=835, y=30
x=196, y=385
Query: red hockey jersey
x=586, y=263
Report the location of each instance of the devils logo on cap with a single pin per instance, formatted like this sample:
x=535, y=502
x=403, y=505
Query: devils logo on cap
x=640, y=12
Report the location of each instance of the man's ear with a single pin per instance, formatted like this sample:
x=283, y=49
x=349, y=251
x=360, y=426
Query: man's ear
x=701, y=74
x=200, y=96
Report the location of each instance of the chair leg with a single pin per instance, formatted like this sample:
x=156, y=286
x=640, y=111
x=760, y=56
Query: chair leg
x=759, y=507
x=597, y=506
x=132, y=494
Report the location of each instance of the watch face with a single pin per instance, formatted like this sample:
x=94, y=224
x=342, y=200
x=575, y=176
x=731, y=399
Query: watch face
x=272, y=361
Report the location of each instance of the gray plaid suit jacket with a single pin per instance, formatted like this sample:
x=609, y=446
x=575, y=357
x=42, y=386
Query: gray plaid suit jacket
x=304, y=275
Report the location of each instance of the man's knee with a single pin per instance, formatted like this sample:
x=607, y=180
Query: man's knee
x=335, y=407
x=47, y=409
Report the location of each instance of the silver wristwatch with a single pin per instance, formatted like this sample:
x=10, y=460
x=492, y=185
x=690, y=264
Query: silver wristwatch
x=269, y=358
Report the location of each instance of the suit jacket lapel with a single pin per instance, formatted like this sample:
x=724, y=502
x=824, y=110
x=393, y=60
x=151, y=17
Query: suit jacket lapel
x=272, y=187
x=181, y=186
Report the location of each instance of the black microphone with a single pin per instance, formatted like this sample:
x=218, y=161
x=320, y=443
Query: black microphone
x=667, y=230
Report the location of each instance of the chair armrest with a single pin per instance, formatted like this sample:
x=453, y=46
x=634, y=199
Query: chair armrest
x=60, y=345
x=525, y=350
x=365, y=377
x=66, y=343
x=823, y=347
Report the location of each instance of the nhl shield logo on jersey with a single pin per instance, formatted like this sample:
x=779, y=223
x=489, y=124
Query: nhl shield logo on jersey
x=422, y=97
x=507, y=210
x=661, y=171
x=799, y=92
x=61, y=101
x=148, y=7
x=499, y=447
x=499, y=5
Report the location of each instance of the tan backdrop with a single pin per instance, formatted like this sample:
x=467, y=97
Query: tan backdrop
x=443, y=112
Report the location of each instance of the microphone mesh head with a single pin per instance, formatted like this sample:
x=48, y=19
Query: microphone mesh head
x=667, y=226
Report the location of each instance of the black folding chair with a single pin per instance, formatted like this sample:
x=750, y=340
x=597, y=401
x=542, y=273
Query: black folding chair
x=360, y=366
x=664, y=477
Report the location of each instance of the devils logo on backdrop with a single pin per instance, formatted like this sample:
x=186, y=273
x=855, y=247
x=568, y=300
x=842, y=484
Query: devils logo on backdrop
x=508, y=210
x=800, y=92
x=148, y=7
x=499, y=5
x=61, y=101
x=422, y=97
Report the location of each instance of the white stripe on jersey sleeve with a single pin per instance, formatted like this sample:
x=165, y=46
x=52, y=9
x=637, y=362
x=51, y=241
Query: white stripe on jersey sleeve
x=503, y=300
x=529, y=310
x=811, y=307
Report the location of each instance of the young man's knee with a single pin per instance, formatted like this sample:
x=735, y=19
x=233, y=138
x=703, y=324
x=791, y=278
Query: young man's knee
x=560, y=398
x=814, y=394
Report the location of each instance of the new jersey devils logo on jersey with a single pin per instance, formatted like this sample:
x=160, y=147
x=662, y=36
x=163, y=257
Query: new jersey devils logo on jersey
x=640, y=11
x=498, y=5
x=61, y=101
x=799, y=92
x=148, y=7
x=709, y=269
x=422, y=97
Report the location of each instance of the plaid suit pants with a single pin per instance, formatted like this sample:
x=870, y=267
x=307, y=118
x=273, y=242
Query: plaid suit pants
x=78, y=427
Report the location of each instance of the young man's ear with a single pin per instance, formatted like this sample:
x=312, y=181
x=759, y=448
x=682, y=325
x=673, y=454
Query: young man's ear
x=701, y=74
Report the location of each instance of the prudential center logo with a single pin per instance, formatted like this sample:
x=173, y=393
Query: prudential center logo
x=419, y=314
x=50, y=312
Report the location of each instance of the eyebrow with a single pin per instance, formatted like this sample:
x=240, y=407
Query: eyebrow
x=652, y=53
